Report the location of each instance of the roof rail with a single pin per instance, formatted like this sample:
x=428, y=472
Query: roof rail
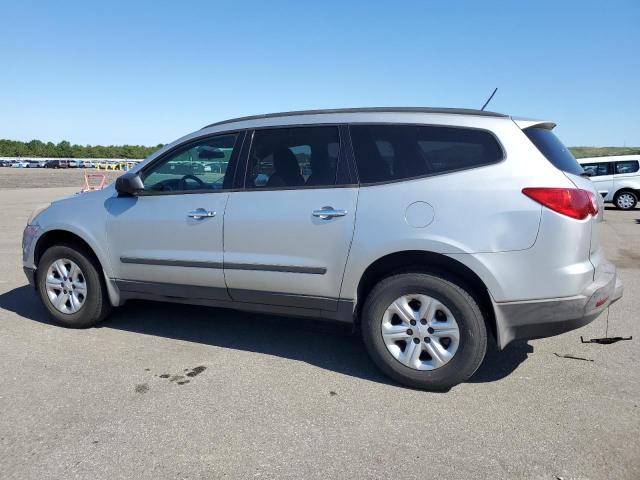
x=453, y=111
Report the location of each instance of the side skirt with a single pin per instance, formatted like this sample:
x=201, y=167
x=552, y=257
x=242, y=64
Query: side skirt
x=252, y=301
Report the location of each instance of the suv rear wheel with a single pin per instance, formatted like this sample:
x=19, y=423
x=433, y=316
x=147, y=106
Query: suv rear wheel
x=71, y=286
x=625, y=200
x=424, y=331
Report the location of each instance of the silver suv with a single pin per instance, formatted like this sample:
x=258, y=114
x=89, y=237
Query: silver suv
x=427, y=229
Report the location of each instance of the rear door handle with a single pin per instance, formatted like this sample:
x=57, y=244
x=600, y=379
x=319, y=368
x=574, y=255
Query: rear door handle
x=325, y=213
x=200, y=213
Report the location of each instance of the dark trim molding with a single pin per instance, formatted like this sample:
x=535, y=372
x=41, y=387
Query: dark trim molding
x=171, y=263
x=275, y=268
x=229, y=266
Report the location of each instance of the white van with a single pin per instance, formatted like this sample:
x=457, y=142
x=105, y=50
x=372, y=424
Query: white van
x=616, y=178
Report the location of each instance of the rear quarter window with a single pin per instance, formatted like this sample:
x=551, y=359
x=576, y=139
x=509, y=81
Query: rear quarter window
x=386, y=153
x=630, y=166
x=553, y=149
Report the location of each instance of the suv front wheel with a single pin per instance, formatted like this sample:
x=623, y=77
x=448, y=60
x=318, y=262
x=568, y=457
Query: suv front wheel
x=71, y=286
x=424, y=331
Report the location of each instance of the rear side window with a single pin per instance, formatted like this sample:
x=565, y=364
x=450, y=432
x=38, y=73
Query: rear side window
x=597, y=169
x=627, y=167
x=294, y=157
x=553, y=149
x=394, y=152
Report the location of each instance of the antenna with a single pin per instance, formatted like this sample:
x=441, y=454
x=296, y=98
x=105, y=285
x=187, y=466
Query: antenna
x=487, y=102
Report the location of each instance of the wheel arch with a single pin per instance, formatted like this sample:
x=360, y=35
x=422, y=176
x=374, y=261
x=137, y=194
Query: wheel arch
x=635, y=191
x=59, y=236
x=425, y=262
x=625, y=189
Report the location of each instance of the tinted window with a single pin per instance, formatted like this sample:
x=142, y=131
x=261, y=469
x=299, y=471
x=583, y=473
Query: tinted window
x=293, y=157
x=394, y=152
x=553, y=149
x=597, y=169
x=627, y=167
x=198, y=166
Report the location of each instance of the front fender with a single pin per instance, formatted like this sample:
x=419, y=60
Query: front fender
x=82, y=216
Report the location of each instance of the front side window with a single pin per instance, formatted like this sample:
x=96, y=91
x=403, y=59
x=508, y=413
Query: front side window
x=293, y=158
x=395, y=152
x=201, y=165
x=627, y=167
x=597, y=169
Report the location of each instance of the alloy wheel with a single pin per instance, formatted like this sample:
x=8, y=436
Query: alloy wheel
x=66, y=286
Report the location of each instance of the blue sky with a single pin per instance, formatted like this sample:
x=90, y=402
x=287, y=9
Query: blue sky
x=148, y=72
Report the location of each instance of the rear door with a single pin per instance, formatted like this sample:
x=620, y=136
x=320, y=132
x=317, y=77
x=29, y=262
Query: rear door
x=602, y=178
x=626, y=174
x=288, y=234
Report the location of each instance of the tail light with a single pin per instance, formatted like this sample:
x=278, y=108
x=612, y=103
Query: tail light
x=572, y=202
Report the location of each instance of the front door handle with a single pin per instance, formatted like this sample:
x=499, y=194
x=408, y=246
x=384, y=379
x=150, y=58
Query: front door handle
x=325, y=213
x=200, y=213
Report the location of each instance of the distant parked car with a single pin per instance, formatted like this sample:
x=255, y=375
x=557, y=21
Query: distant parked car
x=33, y=164
x=616, y=178
x=20, y=164
x=57, y=164
x=87, y=164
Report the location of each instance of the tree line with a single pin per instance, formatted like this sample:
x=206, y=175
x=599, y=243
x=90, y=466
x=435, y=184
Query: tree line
x=64, y=149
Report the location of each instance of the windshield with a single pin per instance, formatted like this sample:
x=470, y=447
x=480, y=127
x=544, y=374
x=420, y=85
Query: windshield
x=553, y=149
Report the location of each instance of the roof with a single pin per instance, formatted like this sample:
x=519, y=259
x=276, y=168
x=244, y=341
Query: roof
x=450, y=111
x=608, y=158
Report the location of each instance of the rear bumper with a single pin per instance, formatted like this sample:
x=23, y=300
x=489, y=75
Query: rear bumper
x=549, y=317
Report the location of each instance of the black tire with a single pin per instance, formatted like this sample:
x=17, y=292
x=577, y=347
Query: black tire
x=631, y=206
x=473, y=332
x=96, y=305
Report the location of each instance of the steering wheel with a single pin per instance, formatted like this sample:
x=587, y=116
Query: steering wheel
x=163, y=186
x=183, y=182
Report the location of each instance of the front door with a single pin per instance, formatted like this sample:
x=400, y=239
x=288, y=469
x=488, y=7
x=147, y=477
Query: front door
x=288, y=234
x=168, y=240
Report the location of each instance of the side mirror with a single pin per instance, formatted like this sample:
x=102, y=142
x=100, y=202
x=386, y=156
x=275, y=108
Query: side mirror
x=129, y=184
x=588, y=173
